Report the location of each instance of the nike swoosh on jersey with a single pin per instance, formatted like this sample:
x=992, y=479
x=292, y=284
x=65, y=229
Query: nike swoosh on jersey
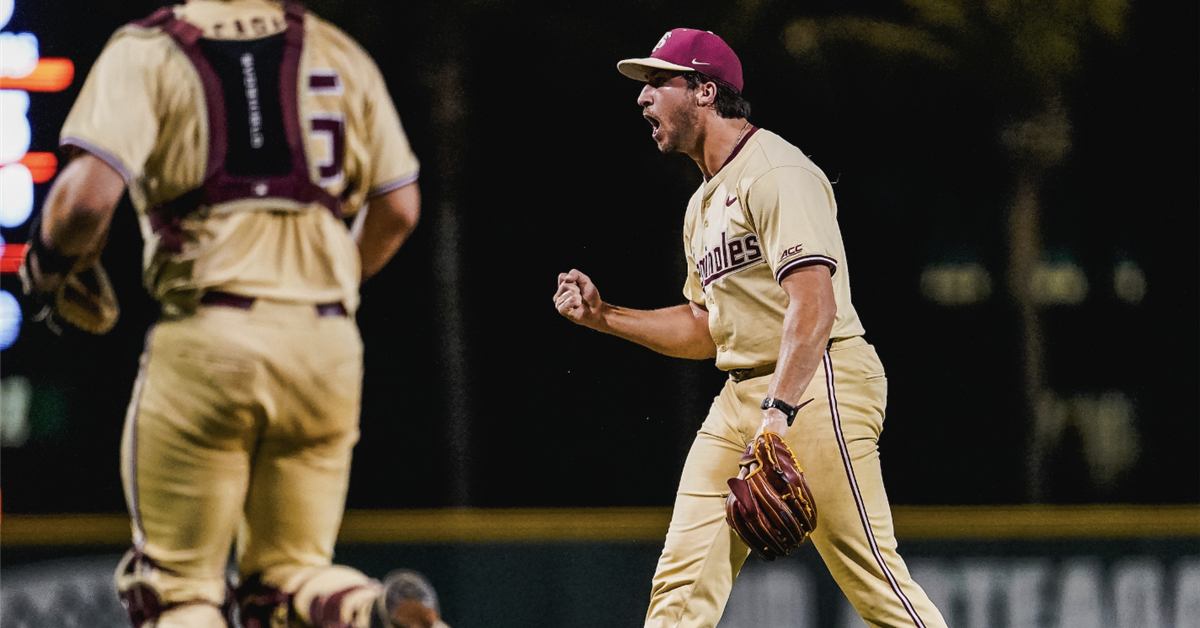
x=730, y=201
x=695, y=62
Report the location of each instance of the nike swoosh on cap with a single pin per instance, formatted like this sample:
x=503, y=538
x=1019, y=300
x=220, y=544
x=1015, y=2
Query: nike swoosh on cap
x=695, y=62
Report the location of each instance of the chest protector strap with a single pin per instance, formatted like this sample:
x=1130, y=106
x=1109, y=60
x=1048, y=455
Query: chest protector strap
x=261, y=155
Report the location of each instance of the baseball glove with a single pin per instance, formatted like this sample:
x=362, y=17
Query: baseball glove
x=770, y=505
x=83, y=298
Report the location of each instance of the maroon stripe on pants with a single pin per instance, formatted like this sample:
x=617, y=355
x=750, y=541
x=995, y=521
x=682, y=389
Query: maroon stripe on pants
x=858, y=500
x=139, y=531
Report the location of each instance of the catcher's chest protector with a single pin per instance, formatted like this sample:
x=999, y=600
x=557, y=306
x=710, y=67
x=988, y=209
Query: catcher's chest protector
x=255, y=142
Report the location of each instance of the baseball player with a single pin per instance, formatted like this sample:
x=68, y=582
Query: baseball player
x=768, y=296
x=247, y=132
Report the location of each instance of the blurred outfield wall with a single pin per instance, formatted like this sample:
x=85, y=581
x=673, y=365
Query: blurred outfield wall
x=996, y=567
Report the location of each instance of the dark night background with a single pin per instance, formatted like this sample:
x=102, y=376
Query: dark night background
x=536, y=160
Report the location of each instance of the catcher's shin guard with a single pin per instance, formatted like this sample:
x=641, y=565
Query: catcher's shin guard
x=143, y=602
x=263, y=606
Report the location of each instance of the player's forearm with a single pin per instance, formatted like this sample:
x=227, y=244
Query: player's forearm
x=390, y=219
x=680, y=331
x=377, y=247
x=806, y=334
x=806, y=328
x=79, y=207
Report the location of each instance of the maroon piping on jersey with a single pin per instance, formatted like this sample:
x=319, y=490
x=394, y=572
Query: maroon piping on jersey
x=858, y=499
x=807, y=260
x=742, y=144
x=219, y=185
x=737, y=149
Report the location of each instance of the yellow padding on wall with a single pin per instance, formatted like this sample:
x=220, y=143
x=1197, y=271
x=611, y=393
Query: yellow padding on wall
x=504, y=525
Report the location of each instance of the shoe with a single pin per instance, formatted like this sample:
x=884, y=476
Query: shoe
x=407, y=601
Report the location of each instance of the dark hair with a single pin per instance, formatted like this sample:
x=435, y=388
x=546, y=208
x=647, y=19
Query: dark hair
x=729, y=103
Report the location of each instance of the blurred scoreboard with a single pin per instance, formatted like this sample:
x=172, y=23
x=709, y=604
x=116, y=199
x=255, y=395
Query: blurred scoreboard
x=24, y=73
x=28, y=162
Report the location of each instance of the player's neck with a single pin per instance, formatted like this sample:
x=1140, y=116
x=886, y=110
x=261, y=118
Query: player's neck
x=719, y=138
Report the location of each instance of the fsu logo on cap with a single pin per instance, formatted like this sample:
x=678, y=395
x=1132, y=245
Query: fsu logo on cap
x=662, y=42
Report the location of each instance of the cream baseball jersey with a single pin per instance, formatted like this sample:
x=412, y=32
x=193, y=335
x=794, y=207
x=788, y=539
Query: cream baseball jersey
x=147, y=106
x=767, y=211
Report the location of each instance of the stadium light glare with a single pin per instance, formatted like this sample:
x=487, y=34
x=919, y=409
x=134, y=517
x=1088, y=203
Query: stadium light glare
x=11, y=256
x=52, y=74
x=16, y=195
x=10, y=319
x=15, y=132
x=18, y=54
x=21, y=70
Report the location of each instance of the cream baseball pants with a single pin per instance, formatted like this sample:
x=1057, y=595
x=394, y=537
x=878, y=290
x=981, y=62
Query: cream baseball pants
x=835, y=439
x=241, y=427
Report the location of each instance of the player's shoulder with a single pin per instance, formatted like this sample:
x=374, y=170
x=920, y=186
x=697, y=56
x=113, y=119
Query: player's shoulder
x=330, y=34
x=773, y=154
x=140, y=42
x=145, y=28
x=774, y=151
x=332, y=44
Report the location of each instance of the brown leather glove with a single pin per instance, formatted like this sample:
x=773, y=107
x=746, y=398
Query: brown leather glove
x=770, y=505
x=68, y=290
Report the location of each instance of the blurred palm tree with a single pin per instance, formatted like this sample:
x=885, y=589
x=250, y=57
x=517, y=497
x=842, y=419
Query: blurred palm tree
x=1027, y=49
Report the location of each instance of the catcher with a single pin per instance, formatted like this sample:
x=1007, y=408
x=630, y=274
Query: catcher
x=246, y=133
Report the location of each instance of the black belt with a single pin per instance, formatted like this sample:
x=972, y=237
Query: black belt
x=741, y=375
x=242, y=302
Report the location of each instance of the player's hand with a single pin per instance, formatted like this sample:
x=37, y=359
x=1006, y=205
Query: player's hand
x=773, y=420
x=40, y=286
x=748, y=469
x=578, y=299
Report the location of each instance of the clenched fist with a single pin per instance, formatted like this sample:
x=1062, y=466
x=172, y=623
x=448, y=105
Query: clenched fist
x=578, y=299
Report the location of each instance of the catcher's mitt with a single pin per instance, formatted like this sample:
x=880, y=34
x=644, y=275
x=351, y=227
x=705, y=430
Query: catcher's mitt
x=771, y=508
x=83, y=298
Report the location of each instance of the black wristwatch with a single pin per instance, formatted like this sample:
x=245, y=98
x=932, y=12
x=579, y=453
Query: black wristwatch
x=788, y=410
x=782, y=406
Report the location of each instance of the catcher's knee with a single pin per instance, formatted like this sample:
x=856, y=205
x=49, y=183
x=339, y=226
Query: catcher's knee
x=140, y=587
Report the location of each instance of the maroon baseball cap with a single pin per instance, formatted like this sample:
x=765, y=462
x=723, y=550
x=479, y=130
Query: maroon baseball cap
x=689, y=50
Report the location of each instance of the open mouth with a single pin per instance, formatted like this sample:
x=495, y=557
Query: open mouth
x=654, y=123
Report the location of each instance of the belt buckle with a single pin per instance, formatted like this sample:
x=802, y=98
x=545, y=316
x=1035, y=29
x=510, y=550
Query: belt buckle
x=332, y=309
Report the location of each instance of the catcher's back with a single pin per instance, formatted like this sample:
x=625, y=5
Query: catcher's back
x=244, y=133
